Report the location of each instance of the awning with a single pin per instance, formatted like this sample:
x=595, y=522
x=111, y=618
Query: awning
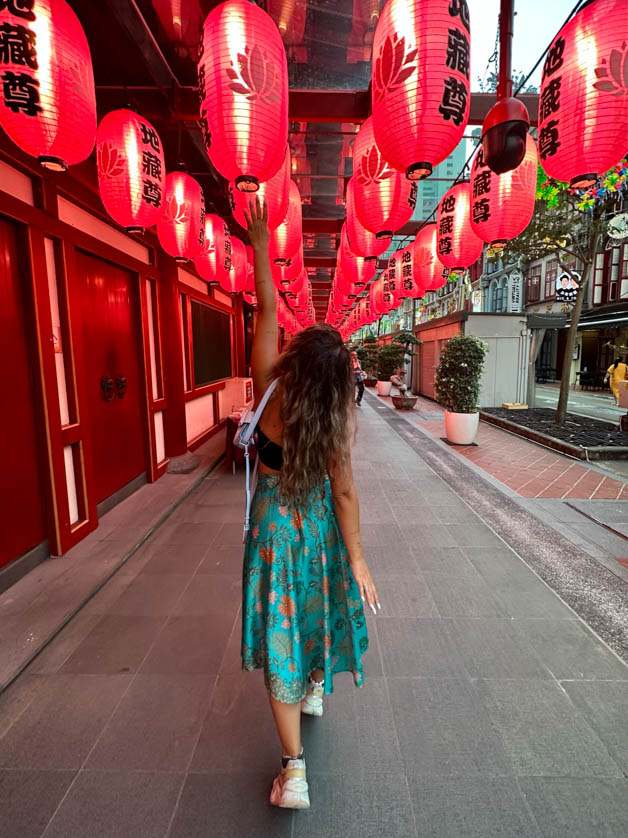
x=610, y=322
x=547, y=321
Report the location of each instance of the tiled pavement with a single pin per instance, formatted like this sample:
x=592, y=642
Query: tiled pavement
x=489, y=709
x=529, y=469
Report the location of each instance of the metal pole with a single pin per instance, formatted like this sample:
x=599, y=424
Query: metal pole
x=506, y=29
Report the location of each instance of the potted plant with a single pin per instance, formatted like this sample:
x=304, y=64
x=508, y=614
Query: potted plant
x=457, y=386
x=404, y=401
x=389, y=358
x=367, y=354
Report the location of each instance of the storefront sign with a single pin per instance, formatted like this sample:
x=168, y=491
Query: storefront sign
x=516, y=292
x=567, y=287
x=618, y=226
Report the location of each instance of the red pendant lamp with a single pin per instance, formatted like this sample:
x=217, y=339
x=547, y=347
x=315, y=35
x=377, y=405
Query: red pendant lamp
x=429, y=272
x=276, y=193
x=243, y=88
x=361, y=241
x=458, y=247
x=131, y=169
x=234, y=280
x=583, y=105
x=205, y=262
x=285, y=238
x=213, y=262
x=502, y=205
x=181, y=228
x=283, y=275
x=356, y=268
x=394, y=277
x=48, y=102
x=420, y=83
x=384, y=198
x=375, y=296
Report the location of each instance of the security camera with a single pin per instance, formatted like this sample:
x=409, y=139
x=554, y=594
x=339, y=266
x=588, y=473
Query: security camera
x=504, y=135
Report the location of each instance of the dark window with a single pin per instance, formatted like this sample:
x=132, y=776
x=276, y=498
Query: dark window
x=533, y=284
x=211, y=344
x=551, y=275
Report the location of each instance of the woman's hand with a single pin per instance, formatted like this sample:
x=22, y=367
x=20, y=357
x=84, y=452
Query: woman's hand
x=365, y=584
x=257, y=224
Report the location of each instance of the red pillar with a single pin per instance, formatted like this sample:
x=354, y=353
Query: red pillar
x=175, y=430
x=240, y=367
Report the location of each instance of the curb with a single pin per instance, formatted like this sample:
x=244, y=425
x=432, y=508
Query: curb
x=579, y=452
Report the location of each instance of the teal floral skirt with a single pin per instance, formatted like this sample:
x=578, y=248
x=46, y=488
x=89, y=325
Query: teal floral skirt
x=301, y=608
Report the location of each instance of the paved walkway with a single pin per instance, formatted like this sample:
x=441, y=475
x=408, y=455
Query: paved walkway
x=490, y=708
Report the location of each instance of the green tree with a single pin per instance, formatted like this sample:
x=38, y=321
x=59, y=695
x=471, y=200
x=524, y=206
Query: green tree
x=489, y=85
x=563, y=226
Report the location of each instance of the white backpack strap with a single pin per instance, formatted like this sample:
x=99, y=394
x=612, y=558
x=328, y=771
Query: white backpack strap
x=246, y=442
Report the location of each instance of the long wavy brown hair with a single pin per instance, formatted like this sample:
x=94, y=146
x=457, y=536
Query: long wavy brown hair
x=316, y=403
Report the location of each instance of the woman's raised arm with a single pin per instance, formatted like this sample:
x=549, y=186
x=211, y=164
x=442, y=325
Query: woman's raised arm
x=265, y=349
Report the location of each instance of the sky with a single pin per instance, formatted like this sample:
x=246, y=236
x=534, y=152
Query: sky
x=536, y=23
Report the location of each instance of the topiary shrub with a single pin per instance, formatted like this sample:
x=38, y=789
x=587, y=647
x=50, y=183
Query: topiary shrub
x=389, y=358
x=459, y=373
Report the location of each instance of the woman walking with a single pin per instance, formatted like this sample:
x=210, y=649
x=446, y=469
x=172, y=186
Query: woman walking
x=616, y=373
x=359, y=376
x=305, y=578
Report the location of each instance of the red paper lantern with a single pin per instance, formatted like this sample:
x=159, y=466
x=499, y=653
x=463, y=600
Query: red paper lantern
x=502, y=205
x=48, y=105
x=361, y=241
x=285, y=238
x=234, y=280
x=401, y=274
x=181, y=228
x=429, y=272
x=583, y=105
x=356, y=268
x=289, y=15
x=384, y=198
x=250, y=277
x=283, y=275
x=243, y=87
x=276, y=193
x=458, y=247
x=131, y=169
x=213, y=262
x=421, y=93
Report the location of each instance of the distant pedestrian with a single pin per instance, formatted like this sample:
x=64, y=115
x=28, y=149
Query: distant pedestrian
x=359, y=376
x=616, y=373
x=305, y=579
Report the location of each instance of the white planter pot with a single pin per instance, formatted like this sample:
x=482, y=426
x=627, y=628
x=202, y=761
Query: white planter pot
x=384, y=388
x=461, y=428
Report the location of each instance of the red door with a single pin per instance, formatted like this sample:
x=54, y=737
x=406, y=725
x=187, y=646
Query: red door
x=21, y=498
x=112, y=373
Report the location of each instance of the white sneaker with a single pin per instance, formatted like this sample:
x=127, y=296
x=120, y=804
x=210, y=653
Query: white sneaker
x=290, y=789
x=312, y=704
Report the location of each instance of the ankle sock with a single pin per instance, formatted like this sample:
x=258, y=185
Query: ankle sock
x=285, y=759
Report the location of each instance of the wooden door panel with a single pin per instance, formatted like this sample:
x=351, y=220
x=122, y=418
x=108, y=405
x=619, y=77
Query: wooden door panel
x=109, y=312
x=21, y=497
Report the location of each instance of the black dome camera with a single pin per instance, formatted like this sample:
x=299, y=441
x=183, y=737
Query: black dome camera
x=504, y=135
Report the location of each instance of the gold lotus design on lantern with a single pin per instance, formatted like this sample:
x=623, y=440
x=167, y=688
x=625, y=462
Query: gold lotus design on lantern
x=255, y=77
x=372, y=168
x=393, y=66
x=613, y=74
x=110, y=161
x=176, y=212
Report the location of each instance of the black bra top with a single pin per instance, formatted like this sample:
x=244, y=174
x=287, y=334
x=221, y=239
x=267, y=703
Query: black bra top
x=269, y=452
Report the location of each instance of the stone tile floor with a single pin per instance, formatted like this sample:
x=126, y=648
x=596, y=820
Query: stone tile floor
x=489, y=709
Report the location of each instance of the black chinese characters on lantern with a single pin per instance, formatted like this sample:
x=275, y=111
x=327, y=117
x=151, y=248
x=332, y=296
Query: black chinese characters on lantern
x=47, y=95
